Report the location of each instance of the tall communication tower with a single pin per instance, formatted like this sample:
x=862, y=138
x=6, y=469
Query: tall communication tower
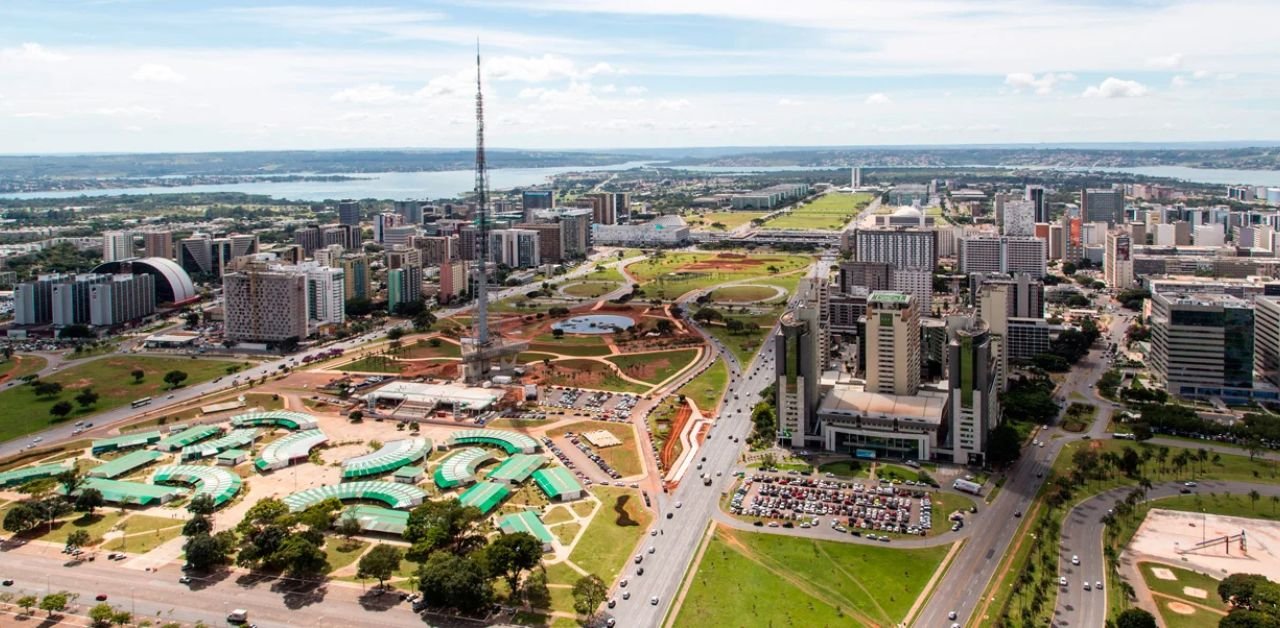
x=481, y=350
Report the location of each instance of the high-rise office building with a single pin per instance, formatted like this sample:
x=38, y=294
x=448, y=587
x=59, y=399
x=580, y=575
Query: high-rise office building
x=330, y=255
x=892, y=344
x=355, y=275
x=438, y=249
x=1117, y=261
x=1008, y=304
x=1019, y=218
x=349, y=236
x=400, y=235
x=515, y=248
x=798, y=369
x=1003, y=254
x=550, y=240
x=309, y=239
x=326, y=294
x=1040, y=205
x=1202, y=345
x=157, y=244
x=411, y=212
x=71, y=299
x=117, y=245
x=120, y=299
x=855, y=177
x=404, y=285
x=1210, y=235
x=911, y=252
x=870, y=275
x=1266, y=344
x=267, y=305
x=1103, y=205
x=33, y=300
x=349, y=213
x=974, y=388
x=385, y=221
x=401, y=256
x=533, y=200
x=453, y=280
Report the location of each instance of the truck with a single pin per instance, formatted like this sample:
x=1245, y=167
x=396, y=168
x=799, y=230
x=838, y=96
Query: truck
x=706, y=480
x=967, y=487
x=238, y=616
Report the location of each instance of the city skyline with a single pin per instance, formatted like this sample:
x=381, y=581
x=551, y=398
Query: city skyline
x=143, y=76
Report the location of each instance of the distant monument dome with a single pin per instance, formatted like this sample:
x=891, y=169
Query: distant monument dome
x=173, y=284
x=906, y=211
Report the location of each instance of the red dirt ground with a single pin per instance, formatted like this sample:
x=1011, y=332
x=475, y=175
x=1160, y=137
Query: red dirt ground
x=673, y=435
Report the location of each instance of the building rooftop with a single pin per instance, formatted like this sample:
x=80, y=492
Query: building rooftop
x=924, y=408
x=884, y=296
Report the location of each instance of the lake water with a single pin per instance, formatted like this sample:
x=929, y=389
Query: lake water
x=452, y=183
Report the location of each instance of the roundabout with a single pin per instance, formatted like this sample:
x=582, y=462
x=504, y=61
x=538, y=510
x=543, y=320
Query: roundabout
x=747, y=293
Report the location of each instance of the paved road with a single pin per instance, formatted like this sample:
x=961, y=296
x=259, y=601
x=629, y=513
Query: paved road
x=1082, y=534
x=103, y=421
x=960, y=591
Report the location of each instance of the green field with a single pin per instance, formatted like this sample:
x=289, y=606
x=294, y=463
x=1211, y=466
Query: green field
x=705, y=389
x=372, y=364
x=655, y=367
x=829, y=212
x=590, y=289
x=750, y=579
x=622, y=457
x=719, y=221
x=604, y=273
x=565, y=346
x=1223, y=504
x=142, y=539
x=744, y=345
x=743, y=294
x=340, y=553
x=590, y=374
x=21, y=365
x=846, y=469
x=617, y=528
x=675, y=274
x=1174, y=589
x=21, y=412
x=422, y=349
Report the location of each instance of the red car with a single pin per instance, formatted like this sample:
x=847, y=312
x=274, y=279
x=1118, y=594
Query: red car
x=102, y=597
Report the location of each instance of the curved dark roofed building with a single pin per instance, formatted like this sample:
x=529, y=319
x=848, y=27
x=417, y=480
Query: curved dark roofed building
x=173, y=285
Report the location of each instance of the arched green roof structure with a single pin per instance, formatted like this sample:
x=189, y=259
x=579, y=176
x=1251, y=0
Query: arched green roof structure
x=460, y=467
x=486, y=496
x=240, y=438
x=216, y=482
x=510, y=442
x=282, y=418
x=281, y=453
x=390, y=493
x=391, y=456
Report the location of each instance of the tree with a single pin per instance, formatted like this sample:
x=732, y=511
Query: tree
x=588, y=593
x=175, y=378
x=1135, y=618
x=61, y=409
x=47, y=389
x=442, y=525
x=355, y=416
x=87, y=398
x=138, y=374
x=193, y=320
x=89, y=500
x=77, y=539
x=451, y=580
x=557, y=333
x=101, y=615
x=27, y=602
x=302, y=557
x=202, y=504
x=510, y=555
x=22, y=517
x=54, y=602
x=205, y=552
x=395, y=333
x=121, y=618
x=348, y=526
x=380, y=562
x=1254, y=496
x=197, y=525
x=1005, y=446
x=1238, y=589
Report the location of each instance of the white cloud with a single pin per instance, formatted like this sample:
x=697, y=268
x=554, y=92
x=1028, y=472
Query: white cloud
x=790, y=102
x=878, y=98
x=128, y=111
x=1167, y=62
x=1113, y=87
x=369, y=93
x=157, y=73
x=1041, y=85
x=30, y=52
x=1201, y=74
x=609, y=89
x=635, y=90
x=673, y=104
x=1179, y=81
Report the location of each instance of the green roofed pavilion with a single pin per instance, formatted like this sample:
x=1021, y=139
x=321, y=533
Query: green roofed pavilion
x=18, y=477
x=285, y=451
x=516, y=469
x=236, y=439
x=126, y=441
x=558, y=483
x=378, y=519
x=527, y=522
x=391, y=456
x=117, y=492
x=485, y=495
x=459, y=469
x=124, y=464
x=187, y=437
x=510, y=442
x=408, y=475
x=283, y=418
x=390, y=493
x=216, y=482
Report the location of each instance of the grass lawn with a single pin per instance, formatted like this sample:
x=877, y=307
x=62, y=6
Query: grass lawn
x=847, y=469
x=590, y=374
x=583, y=507
x=614, y=532
x=622, y=457
x=705, y=389
x=1222, y=504
x=341, y=553
x=566, y=532
x=570, y=345
x=556, y=514
x=21, y=365
x=139, y=542
x=96, y=526
x=1079, y=417
x=372, y=364
x=422, y=349
x=790, y=581
x=744, y=344
x=21, y=412
x=1185, y=578
x=829, y=212
x=590, y=289
x=719, y=221
x=674, y=274
x=1229, y=468
x=561, y=573
x=561, y=599
x=600, y=272
x=742, y=294
x=534, y=356
x=656, y=367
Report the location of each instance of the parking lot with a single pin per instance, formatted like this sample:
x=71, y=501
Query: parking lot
x=604, y=406
x=859, y=508
x=577, y=455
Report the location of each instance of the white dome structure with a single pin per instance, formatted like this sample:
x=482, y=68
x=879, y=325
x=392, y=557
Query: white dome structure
x=173, y=284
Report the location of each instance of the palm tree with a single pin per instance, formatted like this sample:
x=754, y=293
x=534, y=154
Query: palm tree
x=1254, y=496
x=1203, y=455
x=1275, y=499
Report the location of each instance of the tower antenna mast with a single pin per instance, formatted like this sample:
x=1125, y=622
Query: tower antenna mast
x=482, y=215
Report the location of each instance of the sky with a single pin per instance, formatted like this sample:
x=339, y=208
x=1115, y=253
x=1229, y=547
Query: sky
x=170, y=75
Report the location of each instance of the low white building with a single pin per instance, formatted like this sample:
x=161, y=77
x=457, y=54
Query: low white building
x=661, y=231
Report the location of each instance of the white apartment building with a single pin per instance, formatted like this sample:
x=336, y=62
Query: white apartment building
x=117, y=245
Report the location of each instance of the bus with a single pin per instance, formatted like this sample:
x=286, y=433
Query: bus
x=967, y=486
x=145, y=401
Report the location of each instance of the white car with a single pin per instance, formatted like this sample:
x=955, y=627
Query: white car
x=1075, y=560
x=654, y=600
x=1086, y=585
x=1062, y=581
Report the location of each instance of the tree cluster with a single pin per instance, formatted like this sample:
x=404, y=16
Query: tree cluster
x=1254, y=600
